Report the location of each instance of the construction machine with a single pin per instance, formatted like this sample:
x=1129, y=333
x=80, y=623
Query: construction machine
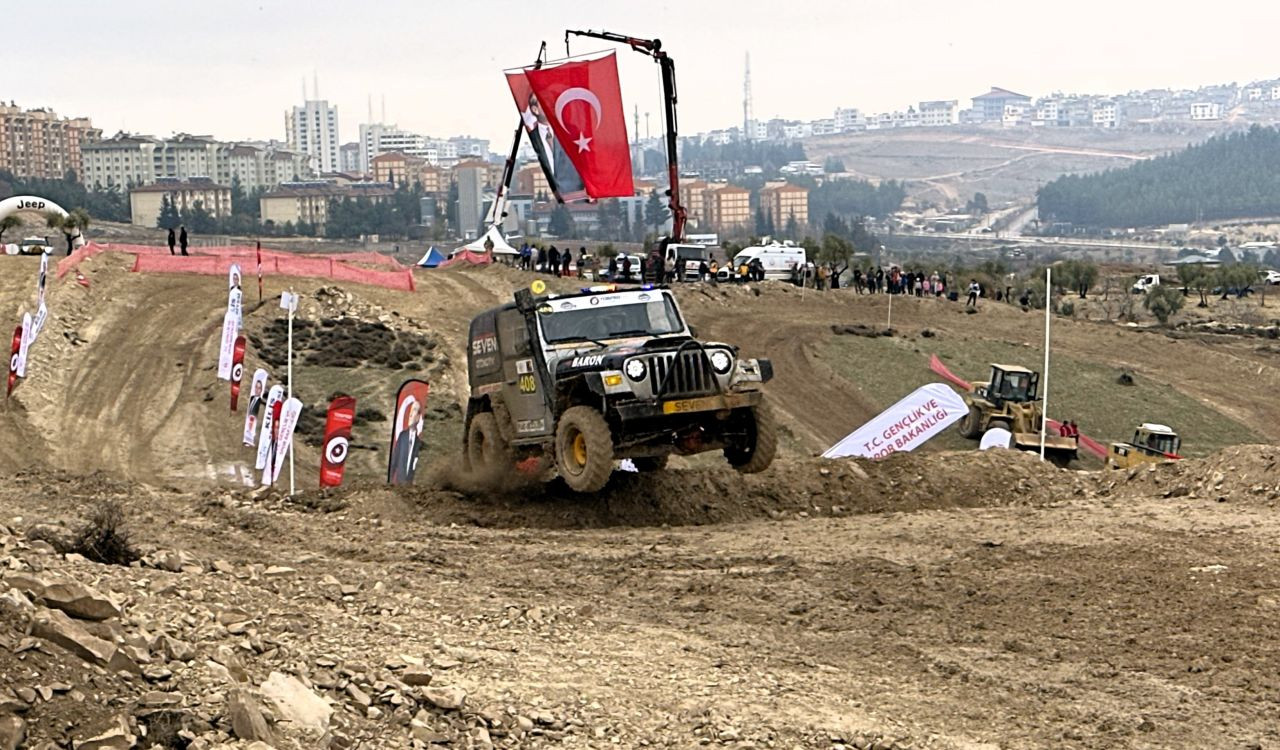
x=1009, y=401
x=1151, y=444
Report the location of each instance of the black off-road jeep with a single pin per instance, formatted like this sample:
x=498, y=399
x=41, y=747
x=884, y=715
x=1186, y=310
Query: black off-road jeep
x=583, y=380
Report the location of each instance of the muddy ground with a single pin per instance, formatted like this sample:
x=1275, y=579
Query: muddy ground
x=941, y=600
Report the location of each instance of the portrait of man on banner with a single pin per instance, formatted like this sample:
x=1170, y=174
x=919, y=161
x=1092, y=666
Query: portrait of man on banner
x=561, y=175
x=406, y=432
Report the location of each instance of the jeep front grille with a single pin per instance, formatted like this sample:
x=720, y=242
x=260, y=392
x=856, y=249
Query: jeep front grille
x=688, y=374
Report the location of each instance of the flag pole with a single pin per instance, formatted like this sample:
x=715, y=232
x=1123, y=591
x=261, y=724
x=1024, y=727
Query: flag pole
x=1044, y=393
x=292, y=304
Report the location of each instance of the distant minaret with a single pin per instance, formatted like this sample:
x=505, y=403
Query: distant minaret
x=370, y=117
x=637, y=121
x=315, y=82
x=746, y=102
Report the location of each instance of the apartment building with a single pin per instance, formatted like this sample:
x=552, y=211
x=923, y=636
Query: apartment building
x=783, y=202
x=727, y=208
x=295, y=202
x=145, y=201
x=38, y=143
x=312, y=129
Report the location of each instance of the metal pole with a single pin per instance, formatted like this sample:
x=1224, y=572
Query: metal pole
x=1044, y=386
x=290, y=385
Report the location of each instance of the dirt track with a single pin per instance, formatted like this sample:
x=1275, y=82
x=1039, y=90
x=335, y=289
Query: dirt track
x=940, y=600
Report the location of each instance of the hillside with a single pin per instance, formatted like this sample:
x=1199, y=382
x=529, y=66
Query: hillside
x=948, y=165
x=950, y=599
x=1230, y=176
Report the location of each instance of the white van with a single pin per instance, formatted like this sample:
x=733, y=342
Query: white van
x=1146, y=283
x=780, y=259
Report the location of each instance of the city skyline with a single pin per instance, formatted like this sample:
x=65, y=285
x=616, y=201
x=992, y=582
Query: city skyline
x=233, y=72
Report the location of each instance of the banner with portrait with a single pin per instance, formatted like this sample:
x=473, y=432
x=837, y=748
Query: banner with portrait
x=406, y=431
x=274, y=397
x=257, y=395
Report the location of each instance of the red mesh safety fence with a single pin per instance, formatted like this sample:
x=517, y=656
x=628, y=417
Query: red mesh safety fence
x=218, y=260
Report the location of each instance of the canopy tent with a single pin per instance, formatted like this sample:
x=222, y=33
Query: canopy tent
x=490, y=240
x=431, y=258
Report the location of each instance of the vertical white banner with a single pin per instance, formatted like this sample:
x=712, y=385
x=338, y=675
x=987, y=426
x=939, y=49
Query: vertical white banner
x=235, y=306
x=284, y=439
x=42, y=279
x=24, y=346
x=38, y=324
x=233, y=276
x=274, y=396
x=227, y=351
x=257, y=397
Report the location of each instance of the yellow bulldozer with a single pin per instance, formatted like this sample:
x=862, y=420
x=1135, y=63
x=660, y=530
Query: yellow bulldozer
x=1009, y=401
x=1151, y=444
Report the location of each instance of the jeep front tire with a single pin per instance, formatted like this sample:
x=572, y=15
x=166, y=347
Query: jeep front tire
x=584, y=449
x=752, y=449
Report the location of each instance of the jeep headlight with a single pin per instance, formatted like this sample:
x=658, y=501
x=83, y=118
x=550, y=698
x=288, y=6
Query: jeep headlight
x=721, y=361
x=636, y=370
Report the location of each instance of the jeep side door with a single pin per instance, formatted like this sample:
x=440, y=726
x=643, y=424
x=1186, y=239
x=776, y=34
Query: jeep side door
x=523, y=379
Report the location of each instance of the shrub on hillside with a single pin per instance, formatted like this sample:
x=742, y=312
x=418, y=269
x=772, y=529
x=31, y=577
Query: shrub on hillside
x=1163, y=302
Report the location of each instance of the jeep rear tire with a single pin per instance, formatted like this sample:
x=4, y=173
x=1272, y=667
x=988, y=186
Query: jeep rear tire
x=752, y=452
x=584, y=449
x=487, y=451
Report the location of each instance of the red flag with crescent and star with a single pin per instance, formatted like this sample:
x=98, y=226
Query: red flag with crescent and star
x=582, y=101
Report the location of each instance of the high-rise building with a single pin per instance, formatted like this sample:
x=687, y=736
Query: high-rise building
x=313, y=130
x=38, y=143
x=471, y=177
x=349, y=158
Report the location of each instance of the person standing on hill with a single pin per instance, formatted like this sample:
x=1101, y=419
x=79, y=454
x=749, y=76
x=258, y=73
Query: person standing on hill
x=626, y=268
x=182, y=240
x=553, y=261
x=566, y=262
x=173, y=240
x=974, y=290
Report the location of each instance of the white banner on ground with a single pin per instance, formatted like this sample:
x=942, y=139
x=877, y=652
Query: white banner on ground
x=233, y=276
x=995, y=438
x=284, y=439
x=904, y=426
x=24, y=346
x=257, y=398
x=274, y=396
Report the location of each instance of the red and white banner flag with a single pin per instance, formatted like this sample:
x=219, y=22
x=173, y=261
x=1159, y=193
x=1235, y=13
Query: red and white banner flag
x=24, y=346
x=337, y=440
x=582, y=102
x=274, y=397
x=257, y=395
x=259, y=270
x=13, y=359
x=406, y=431
x=237, y=370
x=289, y=411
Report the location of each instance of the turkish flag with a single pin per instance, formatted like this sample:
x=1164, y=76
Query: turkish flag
x=582, y=101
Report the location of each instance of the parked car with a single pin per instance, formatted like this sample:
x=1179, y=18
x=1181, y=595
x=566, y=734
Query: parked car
x=1146, y=283
x=1271, y=277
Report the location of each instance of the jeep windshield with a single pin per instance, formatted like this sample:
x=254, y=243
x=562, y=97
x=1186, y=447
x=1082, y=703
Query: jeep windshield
x=599, y=317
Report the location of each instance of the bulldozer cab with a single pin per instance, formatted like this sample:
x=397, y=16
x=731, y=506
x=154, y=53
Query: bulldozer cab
x=1013, y=384
x=1158, y=439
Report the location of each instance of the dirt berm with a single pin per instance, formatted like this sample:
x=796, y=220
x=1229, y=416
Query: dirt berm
x=704, y=495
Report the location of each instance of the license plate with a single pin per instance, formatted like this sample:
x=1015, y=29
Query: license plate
x=706, y=403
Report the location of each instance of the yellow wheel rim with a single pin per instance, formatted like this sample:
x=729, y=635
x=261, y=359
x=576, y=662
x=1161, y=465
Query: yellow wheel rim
x=580, y=449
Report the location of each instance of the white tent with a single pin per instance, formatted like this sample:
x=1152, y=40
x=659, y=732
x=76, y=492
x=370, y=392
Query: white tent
x=500, y=246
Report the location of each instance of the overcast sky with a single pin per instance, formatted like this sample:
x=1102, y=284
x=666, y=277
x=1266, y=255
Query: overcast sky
x=231, y=68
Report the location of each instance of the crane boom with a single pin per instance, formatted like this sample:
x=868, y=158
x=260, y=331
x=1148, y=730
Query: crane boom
x=653, y=48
